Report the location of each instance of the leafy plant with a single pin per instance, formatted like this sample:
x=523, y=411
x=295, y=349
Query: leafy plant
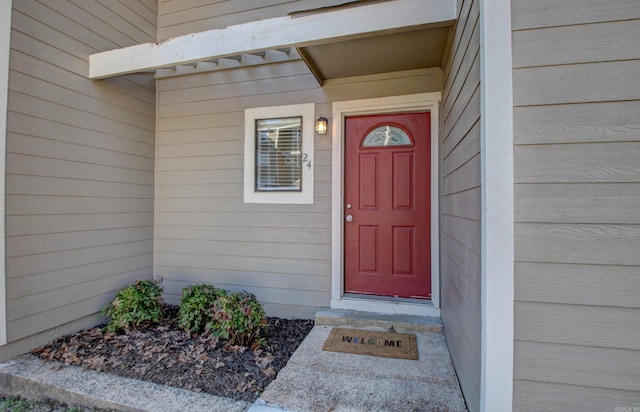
x=196, y=302
x=19, y=404
x=134, y=306
x=14, y=404
x=239, y=318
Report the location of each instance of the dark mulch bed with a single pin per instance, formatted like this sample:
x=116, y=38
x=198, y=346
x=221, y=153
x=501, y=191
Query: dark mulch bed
x=167, y=355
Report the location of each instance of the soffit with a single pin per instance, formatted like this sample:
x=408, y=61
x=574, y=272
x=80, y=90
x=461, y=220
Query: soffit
x=408, y=50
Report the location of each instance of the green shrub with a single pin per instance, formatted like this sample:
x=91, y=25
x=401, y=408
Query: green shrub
x=196, y=302
x=239, y=318
x=134, y=306
x=15, y=404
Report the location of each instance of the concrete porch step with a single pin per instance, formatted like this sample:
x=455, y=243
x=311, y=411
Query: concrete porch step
x=400, y=323
x=319, y=380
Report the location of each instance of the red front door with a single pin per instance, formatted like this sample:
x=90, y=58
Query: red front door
x=387, y=205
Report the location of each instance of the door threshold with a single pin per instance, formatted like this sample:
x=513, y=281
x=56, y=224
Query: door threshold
x=384, y=304
x=393, y=299
x=359, y=319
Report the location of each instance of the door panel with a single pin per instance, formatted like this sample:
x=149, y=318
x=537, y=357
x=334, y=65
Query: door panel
x=403, y=245
x=402, y=180
x=369, y=249
x=368, y=188
x=388, y=185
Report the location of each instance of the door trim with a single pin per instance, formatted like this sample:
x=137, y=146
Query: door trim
x=394, y=104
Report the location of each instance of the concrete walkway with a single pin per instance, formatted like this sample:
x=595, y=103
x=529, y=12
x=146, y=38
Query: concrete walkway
x=313, y=380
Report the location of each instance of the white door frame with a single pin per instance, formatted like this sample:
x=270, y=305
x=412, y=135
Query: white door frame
x=394, y=104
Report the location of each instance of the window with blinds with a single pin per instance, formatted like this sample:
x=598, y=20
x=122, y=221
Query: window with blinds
x=278, y=155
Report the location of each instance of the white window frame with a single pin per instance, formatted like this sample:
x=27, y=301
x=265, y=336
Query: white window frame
x=304, y=196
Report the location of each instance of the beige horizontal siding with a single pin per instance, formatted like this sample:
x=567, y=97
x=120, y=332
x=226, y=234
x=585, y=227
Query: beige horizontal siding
x=460, y=201
x=52, y=167
x=43, y=90
x=36, y=305
x=141, y=103
x=552, y=13
x=226, y=205
x=65, y=313
x=80, y=166
x=267, y=266
x=56, y=242
x=120, y=17
x=587, y=366
x=578, y=243
x=568, y=324
x=41, y=283
x=572, y=123
x=585, y=43
x=24, y=104
x=578, y=163
x=568, y=398
x=577, y=231
x=601, y=203
x=242, y=234
x=20, y=225
x=28, y=205
x=50, y=186
x=204, y=231
x=61, y=133
x=47, y=148
x=238, y=279
x=549, y=282
x=54, y=261
x=179, y=17
x=606, y=81
x=465, y=204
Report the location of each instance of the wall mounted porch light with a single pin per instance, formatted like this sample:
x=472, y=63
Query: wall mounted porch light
x=321, y=125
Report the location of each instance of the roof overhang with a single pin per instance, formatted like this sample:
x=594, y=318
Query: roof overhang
x=394, y=52
x=362, y=25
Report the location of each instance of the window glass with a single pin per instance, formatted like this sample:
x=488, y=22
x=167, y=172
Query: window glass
x=279, y=154
x=386, y=136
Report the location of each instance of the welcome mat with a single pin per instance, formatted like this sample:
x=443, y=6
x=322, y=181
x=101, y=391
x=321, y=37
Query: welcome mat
x=367, y=342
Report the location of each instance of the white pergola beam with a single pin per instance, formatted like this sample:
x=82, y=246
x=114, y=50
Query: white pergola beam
x=276, y=33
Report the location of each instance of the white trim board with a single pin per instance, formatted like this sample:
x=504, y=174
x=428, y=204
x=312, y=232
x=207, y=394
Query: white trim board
x=5, y=44
x=268, y=34
x=497, y=271
x=422, y=101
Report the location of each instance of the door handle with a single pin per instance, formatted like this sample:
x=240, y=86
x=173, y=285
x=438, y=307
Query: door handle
x=349, y=218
